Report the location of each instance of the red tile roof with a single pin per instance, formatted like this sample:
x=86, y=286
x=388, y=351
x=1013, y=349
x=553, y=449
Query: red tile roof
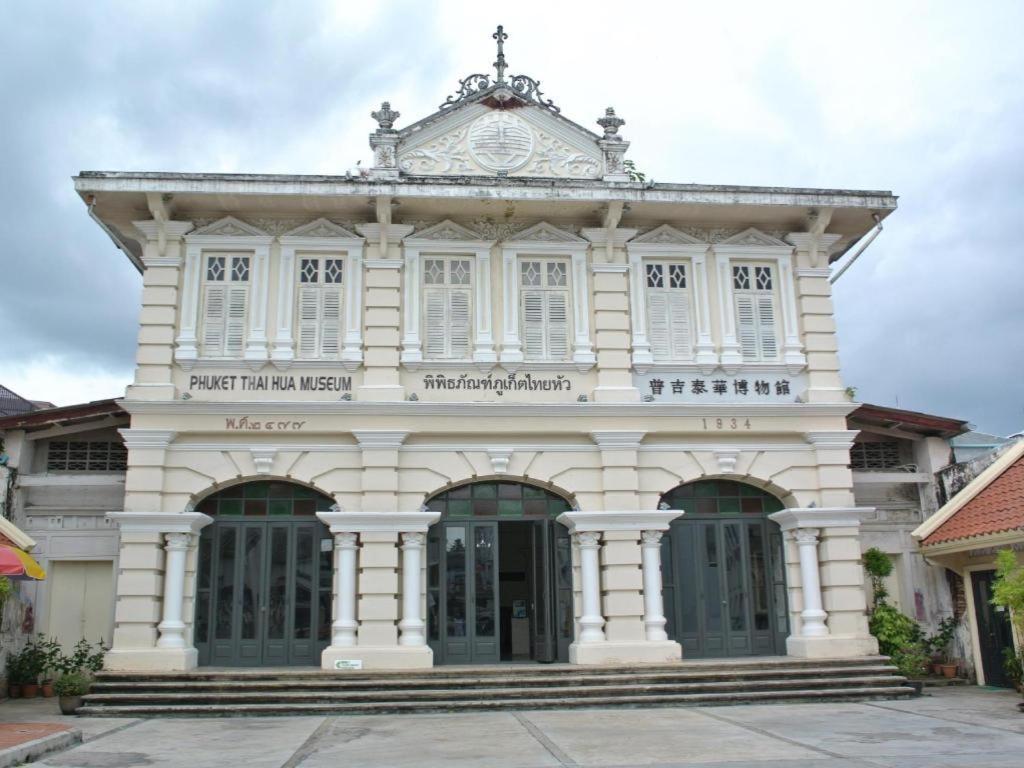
x=997, y=508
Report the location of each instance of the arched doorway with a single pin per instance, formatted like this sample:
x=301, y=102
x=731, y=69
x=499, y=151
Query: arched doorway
x=499, y=575
x=263, y=581
x=723, y=571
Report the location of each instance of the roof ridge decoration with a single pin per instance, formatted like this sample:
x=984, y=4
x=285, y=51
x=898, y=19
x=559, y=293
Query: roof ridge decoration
x=523, y=87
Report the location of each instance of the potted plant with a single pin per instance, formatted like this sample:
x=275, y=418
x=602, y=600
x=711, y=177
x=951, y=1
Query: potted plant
x=1008, y=590
x=52, y=654
x=939, y=644
x=70, y=689
x=34, y=660
x=15, y=674
x=1013, y=667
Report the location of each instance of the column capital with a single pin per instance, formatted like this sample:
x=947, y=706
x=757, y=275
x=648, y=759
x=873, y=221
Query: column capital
x=177, y=541
x=651, y=538
x=617, y=439
x=805, y=536
x=387, y=439
x=379, y=522
x=346, y=540
x=160, y=522
x=587, y=538
x=147, y=438
x=838, y=439
x=820, y=517
x=628, y=520
x=414, y=540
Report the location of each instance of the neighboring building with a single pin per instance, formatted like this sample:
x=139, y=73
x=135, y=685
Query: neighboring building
x=11, y=403
x=896, y=460
x=974, y=445
x=985, y=515
x=449, y=412
x=67, y=471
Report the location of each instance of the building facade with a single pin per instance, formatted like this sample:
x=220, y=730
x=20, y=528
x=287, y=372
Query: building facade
x=492, y=400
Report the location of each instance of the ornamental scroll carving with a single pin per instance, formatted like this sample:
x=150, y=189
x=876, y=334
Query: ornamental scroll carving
x=556, y=158
x=447, y=154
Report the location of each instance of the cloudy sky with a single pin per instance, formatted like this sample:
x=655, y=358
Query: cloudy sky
x=923, y=98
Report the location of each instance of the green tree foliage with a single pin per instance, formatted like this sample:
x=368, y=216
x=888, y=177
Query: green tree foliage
x=1008, y=589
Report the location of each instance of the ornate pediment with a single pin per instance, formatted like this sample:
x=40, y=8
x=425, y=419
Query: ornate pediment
x=321, y=228
x=665, y=235
x=545, y=233
x=752, y=236
x=446, y=230
x=229, y=226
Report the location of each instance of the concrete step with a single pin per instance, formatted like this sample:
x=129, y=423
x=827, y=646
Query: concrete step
x=341, y=682
x=490, y=704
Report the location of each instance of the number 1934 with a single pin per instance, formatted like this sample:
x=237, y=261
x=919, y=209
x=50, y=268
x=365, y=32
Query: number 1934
x=726, y=423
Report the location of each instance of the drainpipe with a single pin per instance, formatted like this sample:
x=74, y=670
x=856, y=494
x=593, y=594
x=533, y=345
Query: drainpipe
x=110, y=233
x=863, y=247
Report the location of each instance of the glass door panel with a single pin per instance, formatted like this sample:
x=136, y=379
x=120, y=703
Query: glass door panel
x=540, y=625
x=278, y=599
x=736, y=569
x=456, y=645
x=485, y=592
x=251, y=598
x=710, y=576
x=224, y=580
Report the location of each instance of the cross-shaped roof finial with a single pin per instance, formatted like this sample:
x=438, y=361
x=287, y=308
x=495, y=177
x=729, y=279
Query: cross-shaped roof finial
x=500, y=65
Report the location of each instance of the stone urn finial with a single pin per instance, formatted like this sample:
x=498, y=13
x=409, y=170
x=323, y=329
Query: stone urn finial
x=611, y=123
x=385, y=116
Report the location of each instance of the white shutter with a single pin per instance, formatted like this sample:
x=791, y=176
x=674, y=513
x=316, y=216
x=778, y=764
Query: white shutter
x=309, y=319
x=434, y=326
x=458, y=322
x=658, y=324
x=533, y=325
x=213, y=321
x=679, y=322
x=557, y=321
x=234, y=332
x=746, y=326
x=766, y=327
x=330, y=320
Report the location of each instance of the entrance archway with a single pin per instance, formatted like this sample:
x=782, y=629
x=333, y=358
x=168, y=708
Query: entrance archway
x=499, y=575
x=723, y=571
x=263, y=582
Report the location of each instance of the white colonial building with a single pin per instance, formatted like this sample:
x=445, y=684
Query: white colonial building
x=494, y=399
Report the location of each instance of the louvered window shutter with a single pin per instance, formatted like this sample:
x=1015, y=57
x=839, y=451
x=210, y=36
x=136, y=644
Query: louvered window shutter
x=309, y=319
x=766, y=326
x=533, y=325
x=458, y=322
x=434, y=331
x=746, y=326
x=659, y=324
x=214, y=312
x=679, y=318
x=234, y=334
x=668, y=312
x=330, y=320
x=557, y=321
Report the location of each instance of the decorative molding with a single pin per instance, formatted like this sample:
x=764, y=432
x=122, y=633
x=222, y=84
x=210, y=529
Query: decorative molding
x=813, y=271
x=321, y=228
x=383, y=263
x=229, y=226
x=753, y=236
x=543, y=232
x=617, y=269
x=377, y=439
x=840, y=439
x=378, y=522
x=614, y=439
x=821, y=517
x=146, y=438
x=263, y=459
x=631, y=520
x=666, y=234
x=500, y=458
x=445, y=230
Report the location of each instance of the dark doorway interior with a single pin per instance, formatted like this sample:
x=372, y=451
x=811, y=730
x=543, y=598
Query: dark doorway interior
x=994, y=632
x=515, y=585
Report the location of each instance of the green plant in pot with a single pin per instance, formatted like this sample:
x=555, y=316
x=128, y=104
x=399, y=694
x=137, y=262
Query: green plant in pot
x=17, y=674
x=1013, y=668
x=1008, y=589
x=939, y=646
x=34, y=661
x=70, y=689
x=899, y=637
x=53, y=655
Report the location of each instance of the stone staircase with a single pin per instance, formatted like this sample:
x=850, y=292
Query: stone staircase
x=292, y=691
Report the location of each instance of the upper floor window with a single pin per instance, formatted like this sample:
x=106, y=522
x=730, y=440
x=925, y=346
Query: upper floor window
x=754, y=291
x=447, y=307
x=319, y=306
x=669, y=327
x=226, y=282
x=544, y=307
x=876, y=456
x=86, y=456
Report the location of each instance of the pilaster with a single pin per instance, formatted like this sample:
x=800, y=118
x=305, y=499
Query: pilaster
x=816, y=315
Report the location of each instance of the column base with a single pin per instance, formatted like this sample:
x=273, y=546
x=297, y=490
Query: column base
x=831, y=646
x=151, y=659
x=379, y=657
x=625, y=653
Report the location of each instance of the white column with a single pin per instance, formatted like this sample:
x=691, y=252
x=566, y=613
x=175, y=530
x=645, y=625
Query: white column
x=412, y=350
x=792, y=349
x=582, y=350
x=591, y=622
x=343, y=630
x=813, y=615
x=283, y=351
x=256, y=353
x=654, y=607
x=187, y=351
x=483, y=346
x=642, y=356
x=731, y=357
x=511, y=345
x=705, y=348
x=171, y=627
x=352, y=351
x=411, y=625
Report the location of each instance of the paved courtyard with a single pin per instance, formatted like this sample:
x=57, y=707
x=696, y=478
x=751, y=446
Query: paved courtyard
x=968, y=727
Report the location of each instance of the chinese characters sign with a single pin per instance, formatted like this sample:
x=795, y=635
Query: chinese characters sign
x=718, y=388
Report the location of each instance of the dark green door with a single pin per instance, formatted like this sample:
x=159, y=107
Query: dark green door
x=723, y=572
x=994, y=629
x=263, y=593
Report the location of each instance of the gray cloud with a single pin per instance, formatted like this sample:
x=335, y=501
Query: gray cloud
x=925, y=100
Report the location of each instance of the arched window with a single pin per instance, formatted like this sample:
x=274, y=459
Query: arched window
x=502, y=500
